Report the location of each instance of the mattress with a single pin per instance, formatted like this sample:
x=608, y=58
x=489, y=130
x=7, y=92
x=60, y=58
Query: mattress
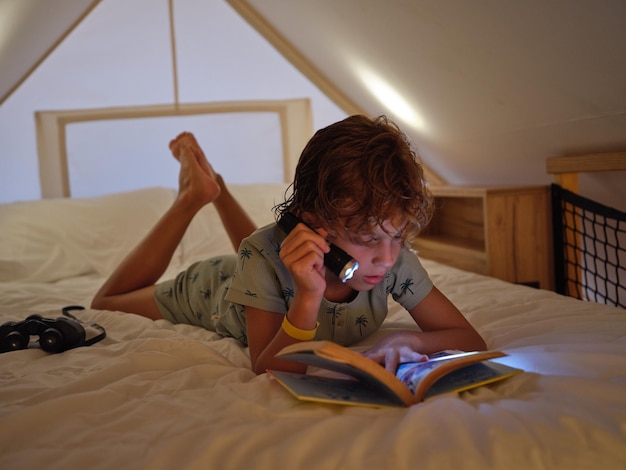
x=157, y=395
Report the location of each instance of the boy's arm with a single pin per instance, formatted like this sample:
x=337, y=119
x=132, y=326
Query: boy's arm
x=302, y=253
x=443, y=327
x=265, y=339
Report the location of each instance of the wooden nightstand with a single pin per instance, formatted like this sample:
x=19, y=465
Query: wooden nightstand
x=504, y=232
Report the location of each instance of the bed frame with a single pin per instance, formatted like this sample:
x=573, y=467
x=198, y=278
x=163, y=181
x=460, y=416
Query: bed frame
x=295, y=115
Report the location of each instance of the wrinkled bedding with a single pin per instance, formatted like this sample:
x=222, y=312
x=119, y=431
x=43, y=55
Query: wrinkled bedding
x=156, y=395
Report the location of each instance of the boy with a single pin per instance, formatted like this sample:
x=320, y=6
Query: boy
x=358, y=185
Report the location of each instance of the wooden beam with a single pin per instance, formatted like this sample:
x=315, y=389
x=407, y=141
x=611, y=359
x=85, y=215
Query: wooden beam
x=615, y=161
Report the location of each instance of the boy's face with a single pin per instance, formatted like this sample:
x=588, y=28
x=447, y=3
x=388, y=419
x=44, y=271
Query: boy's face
x=376, y=251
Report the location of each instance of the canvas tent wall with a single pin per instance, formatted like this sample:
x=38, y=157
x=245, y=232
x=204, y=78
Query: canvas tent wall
x=499, y=86
x=120, y=55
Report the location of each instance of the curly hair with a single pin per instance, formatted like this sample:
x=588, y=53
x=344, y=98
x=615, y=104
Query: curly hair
x=360, y=172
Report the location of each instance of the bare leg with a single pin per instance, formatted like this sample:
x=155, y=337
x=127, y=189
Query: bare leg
x=236, y=221
x=130, y=287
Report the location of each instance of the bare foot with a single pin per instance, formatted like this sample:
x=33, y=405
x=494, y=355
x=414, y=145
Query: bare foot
x=198, y=183
x=181, y=140
x=188, y=140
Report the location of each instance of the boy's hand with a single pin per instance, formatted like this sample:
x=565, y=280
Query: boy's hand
x=394, y=349
x=302, y=252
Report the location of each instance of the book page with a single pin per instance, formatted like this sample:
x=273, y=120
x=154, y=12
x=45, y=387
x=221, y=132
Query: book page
x=411, y=374
x=471, y=376
x=335, y=390
x=343, y=368
x=331, y=356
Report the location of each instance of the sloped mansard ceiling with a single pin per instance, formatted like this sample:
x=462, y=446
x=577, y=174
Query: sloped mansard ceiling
x=487, y=90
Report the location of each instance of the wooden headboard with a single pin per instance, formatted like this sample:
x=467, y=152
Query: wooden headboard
x=295, y=115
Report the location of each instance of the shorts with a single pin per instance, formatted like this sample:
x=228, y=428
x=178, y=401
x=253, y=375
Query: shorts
x=196, y=297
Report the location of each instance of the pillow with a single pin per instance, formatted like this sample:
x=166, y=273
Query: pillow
x=206, y=236
x=53, y=239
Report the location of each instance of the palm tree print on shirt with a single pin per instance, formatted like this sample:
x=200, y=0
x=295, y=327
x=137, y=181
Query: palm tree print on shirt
x=244, y=254
x=334, y=314
x=361, y=322
x=388, y=285
x=288, y=293
x=406, y=286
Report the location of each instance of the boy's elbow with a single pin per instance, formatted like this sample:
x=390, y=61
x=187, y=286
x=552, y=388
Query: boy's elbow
x=480, y=345
x=98, y=303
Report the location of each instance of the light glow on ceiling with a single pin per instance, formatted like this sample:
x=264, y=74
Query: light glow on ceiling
x=392, y=100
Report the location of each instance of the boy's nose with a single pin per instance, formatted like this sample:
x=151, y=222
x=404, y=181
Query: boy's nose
x=384, y=256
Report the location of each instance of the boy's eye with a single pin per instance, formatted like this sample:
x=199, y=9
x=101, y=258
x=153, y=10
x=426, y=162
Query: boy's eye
x=373, y=239
x=367, y=239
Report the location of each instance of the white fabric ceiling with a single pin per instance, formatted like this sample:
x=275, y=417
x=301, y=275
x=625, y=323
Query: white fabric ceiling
x=494, y=86
x=29, y=29
x=120, y=55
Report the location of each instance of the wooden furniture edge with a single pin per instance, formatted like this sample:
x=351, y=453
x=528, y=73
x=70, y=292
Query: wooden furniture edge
x=565, y=169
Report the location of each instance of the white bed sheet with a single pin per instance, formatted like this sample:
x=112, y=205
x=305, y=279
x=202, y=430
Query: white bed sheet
x=157, y=395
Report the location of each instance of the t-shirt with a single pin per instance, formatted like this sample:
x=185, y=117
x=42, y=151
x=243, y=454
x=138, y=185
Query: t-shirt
x=215, y=292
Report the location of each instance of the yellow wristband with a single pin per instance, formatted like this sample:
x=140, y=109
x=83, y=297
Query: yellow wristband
x=297, y=333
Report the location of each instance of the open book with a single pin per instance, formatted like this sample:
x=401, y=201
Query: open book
x=367, y=383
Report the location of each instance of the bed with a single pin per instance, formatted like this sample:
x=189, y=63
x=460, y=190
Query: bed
x=158, y=395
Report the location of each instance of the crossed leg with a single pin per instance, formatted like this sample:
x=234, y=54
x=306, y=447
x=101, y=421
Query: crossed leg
x=130, y=287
